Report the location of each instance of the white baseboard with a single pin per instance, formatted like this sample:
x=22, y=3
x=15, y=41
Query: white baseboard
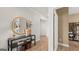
x=55, y=49
x=65, y=45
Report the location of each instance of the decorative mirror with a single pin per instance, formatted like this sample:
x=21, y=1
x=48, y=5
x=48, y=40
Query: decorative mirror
x=21, y=26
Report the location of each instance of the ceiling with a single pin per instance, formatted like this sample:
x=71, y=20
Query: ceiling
x=42, y=10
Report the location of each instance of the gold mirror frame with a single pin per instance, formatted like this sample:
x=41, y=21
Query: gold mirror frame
x=13, y=24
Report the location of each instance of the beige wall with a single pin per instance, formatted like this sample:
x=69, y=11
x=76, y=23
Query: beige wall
x=63, y=25
x=74, y=18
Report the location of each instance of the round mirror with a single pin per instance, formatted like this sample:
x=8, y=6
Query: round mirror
x=19, y=25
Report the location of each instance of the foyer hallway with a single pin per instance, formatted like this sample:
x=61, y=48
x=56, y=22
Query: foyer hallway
x=41, y=45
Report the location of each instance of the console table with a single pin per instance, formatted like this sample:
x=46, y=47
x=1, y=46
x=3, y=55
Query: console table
x=21, y=42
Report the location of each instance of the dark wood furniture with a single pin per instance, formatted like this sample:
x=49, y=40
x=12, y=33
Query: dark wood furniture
x=21, y=43
x=71, y=33
x=74, y=31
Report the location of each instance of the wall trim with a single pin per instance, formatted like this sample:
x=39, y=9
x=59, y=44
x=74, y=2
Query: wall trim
x=65, y=45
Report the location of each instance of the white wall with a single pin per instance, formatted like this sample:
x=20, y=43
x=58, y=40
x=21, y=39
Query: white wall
x=55, y=30
x=36, y=26
x=43, y=27
x=7, y=15
x=50, y=29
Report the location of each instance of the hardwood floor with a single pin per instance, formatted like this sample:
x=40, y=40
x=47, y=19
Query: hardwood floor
x=73, y=46
x=41, y=45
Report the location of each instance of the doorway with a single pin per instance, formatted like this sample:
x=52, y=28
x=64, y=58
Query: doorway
x=68, y=29
x=43, y=34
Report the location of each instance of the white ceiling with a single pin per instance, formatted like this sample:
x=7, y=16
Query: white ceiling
x=44, y=10
x=41, y=10
x=73, y=10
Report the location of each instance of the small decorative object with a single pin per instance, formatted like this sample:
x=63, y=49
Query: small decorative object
x=29, y=31
x=26, y=32
x=13, y=35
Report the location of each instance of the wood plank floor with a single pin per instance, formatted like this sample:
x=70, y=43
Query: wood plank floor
x=73, y=46
x=41, y=45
